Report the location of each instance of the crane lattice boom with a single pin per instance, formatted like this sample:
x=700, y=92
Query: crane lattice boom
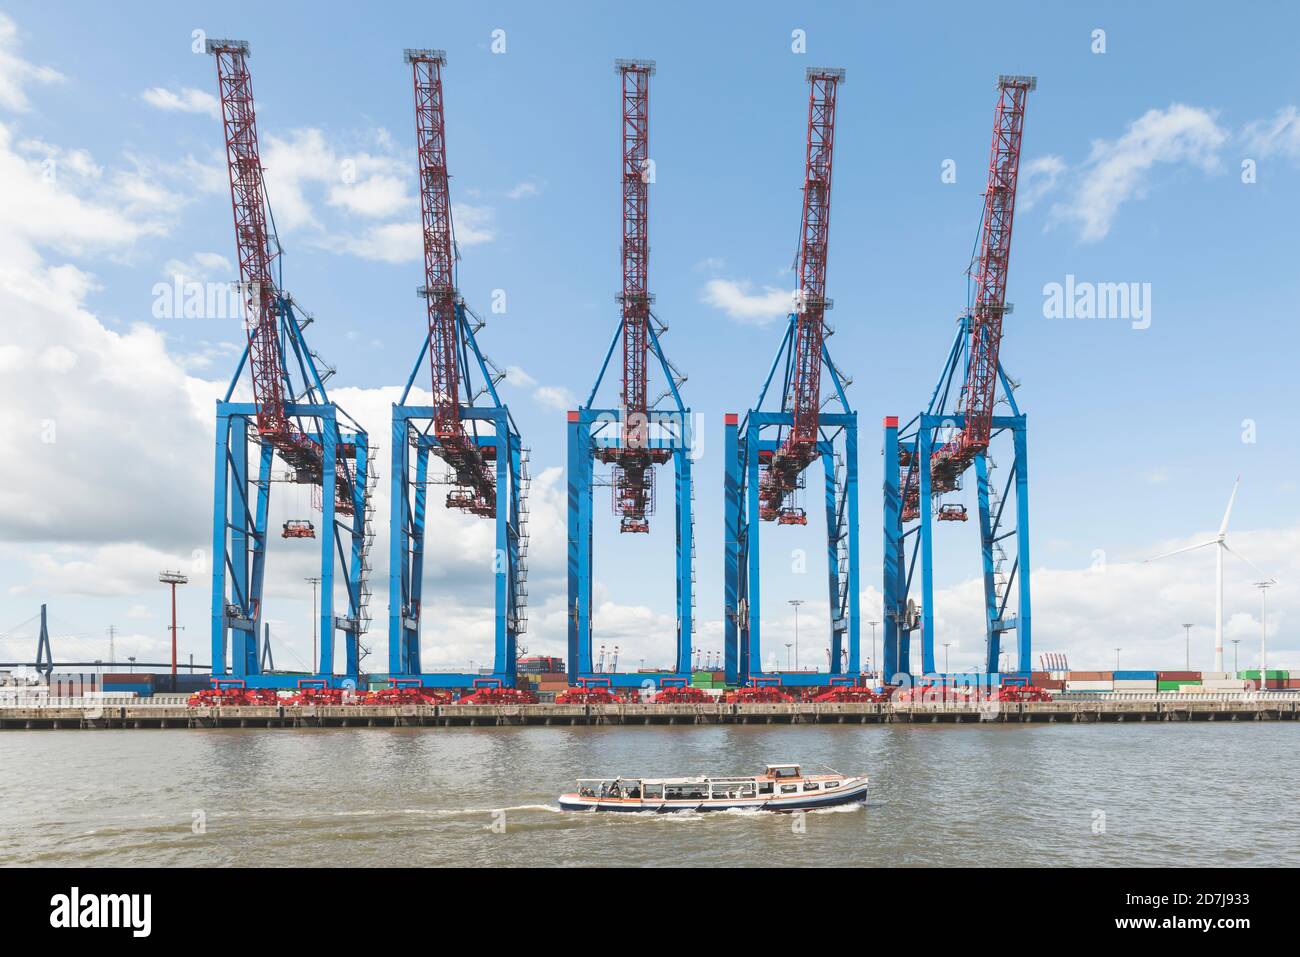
x=979, y=392
x=633, y=490
x=803, y=395
x=475, y=488
x=257, y=252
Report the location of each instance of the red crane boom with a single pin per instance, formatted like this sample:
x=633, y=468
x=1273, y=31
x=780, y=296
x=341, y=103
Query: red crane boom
x=979, y=391
x=475, y=487
x=257, y=255
x=633, y=478
x=803, y=399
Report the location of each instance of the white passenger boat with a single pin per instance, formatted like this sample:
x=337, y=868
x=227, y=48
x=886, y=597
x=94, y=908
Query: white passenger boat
x=781, y=787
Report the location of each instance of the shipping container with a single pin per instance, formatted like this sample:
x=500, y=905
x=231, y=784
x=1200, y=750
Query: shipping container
x=1270, y=674
x=1176, y=685
x=1134, y=676
x=1136, y=684
x=1072, y=684
x=1178, y=676
x=1223, y=684
x=126, y=678
x=1088, y=676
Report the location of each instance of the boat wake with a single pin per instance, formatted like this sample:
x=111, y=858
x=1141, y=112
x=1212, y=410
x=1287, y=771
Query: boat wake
x=451, y=812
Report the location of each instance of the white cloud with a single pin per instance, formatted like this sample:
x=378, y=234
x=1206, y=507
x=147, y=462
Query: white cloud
x=1119, y=170
x=526, y=188
x=473, y=224
x=1038, y=178
x=751, y=308
x=380, y=195
x=390, y=243
x=1139, y=607
x=305, y=172
x=1279, y=136
x=41, y=206
x=549, y=396
x=200, y=267
x=518, y=377
x=15, y=72
x=555, y=397
x=186, y=100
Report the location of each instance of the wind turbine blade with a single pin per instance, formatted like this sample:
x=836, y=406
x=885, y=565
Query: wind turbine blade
x=1223, y=529
x=1178, y=551
x=1249, y=562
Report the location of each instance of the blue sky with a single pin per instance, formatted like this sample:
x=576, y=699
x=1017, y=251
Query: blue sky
x=1136, y=434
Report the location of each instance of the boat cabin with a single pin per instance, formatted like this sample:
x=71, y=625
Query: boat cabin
x=776, y=780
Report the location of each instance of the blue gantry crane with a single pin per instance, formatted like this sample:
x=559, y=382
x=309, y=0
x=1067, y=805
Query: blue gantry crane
x=290, y=419
x=467, y=426
x=768, y=453
x=926, y=457
x=642, y=433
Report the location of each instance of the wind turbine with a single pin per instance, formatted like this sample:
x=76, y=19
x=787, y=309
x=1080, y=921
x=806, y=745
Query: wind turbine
x=1221, y=541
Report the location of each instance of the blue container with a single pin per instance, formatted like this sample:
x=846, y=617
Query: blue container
x=1134, y=676
x=143, y=689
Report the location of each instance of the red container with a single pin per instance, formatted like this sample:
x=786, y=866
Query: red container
x=1089, y=676
x=1178, y=676
x=127, y=679
x=1293, y=683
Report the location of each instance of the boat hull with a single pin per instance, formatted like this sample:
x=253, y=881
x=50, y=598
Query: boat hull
x=853, y=794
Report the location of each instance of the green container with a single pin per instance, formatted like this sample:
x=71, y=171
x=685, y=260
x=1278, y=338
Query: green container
x=1173, y=685
x=1271, y=674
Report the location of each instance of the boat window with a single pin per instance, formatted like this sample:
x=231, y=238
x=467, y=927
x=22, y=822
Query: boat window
x=832, y=784
x=787, y=772
x=733, y=789
x=654, y=791
x=765, y=787
x=789, y=788
x=811, y=786
x=680, y=792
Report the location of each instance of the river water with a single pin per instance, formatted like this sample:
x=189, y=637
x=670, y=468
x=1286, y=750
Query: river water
x=1066, y=794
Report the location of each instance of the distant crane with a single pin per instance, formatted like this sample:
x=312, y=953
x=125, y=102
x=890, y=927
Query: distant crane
x=764, y=473
x=639, y=435
x=291, y=416
x=479, y=442
x=929, y=455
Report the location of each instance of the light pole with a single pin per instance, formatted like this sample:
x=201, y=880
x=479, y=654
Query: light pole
x=1263, y=630
x=314, y=663
x=796, y=602
x=1188, y=629
x=873, y=644
x=946, y=644
x=173, y=579
x=788, y=664
x=1117, y=651
x=1235, y=643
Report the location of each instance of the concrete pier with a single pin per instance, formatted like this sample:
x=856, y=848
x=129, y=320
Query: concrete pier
x=67, y=715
